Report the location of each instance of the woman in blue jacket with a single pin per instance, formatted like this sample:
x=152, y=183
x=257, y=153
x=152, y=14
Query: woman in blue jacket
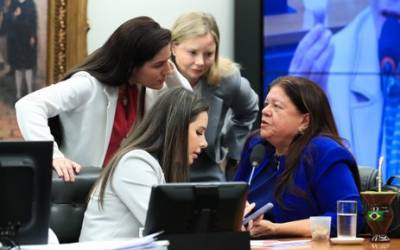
x=306, y=168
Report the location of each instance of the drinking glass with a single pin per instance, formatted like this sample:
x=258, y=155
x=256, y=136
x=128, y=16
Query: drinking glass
x=320, y=227
x=346, y=219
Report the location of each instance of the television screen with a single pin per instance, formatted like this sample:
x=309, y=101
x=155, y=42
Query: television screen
x=196, y=208
x=25, y=184
x=349, y=48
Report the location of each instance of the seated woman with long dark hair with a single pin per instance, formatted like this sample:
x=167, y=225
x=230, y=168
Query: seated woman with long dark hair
x=160, y=149
x=306, y=168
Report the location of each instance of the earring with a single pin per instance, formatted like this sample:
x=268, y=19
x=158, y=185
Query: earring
x=301, y=130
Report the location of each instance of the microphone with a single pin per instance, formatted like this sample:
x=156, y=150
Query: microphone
x=256, y=157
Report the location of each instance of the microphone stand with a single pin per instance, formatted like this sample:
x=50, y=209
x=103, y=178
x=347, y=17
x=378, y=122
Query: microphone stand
x=253, y=164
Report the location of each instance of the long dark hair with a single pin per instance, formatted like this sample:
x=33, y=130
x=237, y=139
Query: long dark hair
x=163, y=133
x=309, y=98
x=133, y=43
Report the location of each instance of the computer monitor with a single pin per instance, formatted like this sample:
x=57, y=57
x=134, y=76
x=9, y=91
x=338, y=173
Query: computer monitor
x=25, y=184
x=196, y=208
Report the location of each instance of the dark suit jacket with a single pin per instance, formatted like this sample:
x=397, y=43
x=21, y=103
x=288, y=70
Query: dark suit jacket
x=233, y=110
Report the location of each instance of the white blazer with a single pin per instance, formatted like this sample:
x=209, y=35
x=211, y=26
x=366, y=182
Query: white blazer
x=86, y=108
x=356, y=99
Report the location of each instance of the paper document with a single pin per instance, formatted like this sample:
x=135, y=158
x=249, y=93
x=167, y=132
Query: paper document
x=147, y=242
x=278, y=244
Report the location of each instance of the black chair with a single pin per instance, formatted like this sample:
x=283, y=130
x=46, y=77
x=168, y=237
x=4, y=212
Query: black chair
x=368, y=178
x=68, y=203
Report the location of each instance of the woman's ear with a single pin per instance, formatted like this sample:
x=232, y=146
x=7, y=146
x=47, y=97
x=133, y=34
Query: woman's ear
x=305, y=122
x=173, y=48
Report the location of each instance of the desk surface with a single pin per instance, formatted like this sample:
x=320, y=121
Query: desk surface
x=394, y=244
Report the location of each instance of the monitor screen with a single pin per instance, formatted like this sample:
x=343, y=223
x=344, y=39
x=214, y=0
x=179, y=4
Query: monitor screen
x=196, y=207
x=351, y=50
x=25, y=184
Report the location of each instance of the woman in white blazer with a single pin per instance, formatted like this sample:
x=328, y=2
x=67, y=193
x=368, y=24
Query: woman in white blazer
x=159, y=150
x=98, y=101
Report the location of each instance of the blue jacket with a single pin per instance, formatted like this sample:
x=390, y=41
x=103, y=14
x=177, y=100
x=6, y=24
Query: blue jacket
x=323, y=174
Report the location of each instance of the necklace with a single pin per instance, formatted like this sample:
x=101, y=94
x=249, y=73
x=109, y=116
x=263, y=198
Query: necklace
x=277, y=162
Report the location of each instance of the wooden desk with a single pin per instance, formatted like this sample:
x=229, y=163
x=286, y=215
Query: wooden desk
x=394, y=244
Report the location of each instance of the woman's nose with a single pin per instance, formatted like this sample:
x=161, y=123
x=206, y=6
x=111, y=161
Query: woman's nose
x=204, y=143
x=167, y=69
x=199, y=60
x=266, y=110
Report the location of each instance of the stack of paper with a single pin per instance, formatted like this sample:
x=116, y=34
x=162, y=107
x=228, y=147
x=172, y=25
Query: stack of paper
x=270, y=244
x=147, y=242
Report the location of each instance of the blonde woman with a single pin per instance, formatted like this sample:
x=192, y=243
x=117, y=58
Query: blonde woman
x=195, y=51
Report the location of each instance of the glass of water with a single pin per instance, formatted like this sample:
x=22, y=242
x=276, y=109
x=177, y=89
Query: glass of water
x=346, y=219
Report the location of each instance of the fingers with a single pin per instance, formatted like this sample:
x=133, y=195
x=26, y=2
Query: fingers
x=313, y=53
x=66, y=168
x=323, y=63
x=315, y=45
x=304, y=45
x=255, y=229
x=58, y=168
x=77, y=168
x=250, y=225
x=248, y=208
x=261, y=227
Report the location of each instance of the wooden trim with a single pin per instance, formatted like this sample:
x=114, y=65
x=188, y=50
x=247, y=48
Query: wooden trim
x=67, y=32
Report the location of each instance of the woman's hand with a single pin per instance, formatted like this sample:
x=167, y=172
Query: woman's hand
x=313, y=55
x=247, y=210
x=260, y=227
x=66, y=168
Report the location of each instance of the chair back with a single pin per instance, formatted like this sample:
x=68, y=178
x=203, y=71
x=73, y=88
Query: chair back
x=368, y=178
x=68, y=203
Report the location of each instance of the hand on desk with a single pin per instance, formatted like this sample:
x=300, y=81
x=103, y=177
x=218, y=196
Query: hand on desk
x=313, y=55
x=260, y=227
x=66, y=168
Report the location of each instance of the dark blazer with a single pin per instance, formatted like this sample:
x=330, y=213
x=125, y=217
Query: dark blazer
x=233, y=110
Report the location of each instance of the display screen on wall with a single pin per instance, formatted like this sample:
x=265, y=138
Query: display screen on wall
x=349, y=49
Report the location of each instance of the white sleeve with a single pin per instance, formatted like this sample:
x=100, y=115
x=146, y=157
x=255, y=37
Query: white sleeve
x=133, y=178
x=33, y=110
x=174, y=79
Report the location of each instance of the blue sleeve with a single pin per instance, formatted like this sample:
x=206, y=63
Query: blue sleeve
x=333, y=181
x=337, y=183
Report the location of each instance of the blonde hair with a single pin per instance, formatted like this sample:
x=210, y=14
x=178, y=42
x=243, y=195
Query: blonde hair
x=195, y=24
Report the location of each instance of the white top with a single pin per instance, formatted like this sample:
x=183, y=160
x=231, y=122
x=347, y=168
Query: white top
x=86, y=108
x=125, y=200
